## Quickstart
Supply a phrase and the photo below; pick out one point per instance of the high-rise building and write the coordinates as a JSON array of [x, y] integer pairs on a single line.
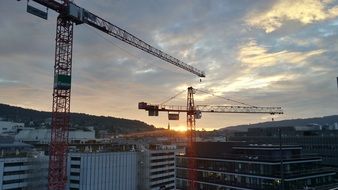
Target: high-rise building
[[229, 165]]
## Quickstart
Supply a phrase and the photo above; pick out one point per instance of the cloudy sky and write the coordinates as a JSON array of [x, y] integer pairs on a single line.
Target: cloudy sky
[[265, 53]]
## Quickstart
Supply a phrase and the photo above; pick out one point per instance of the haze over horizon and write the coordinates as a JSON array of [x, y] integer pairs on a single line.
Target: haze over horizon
[[264, 53]]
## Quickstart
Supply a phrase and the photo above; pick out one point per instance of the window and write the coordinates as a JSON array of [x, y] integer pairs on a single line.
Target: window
[[75, 158], [74, 173], [14, 164], [74, 166], [75, 181]]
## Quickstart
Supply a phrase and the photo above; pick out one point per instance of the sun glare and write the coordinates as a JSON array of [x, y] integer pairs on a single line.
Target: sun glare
[[180, 128]]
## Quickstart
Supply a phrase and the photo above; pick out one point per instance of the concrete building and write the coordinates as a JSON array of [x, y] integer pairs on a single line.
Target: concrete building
[[103, 170], [122, 166], [42, 136], [21, 167], [241, 166], [157, 167], [312, 139], [10, 127]]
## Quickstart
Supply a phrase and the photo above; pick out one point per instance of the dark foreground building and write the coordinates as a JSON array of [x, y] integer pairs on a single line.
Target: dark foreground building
[[314, 140], [230, 166]]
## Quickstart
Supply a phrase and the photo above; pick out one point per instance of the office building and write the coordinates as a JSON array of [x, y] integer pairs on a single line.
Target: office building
[[313, 140], [230, 165]]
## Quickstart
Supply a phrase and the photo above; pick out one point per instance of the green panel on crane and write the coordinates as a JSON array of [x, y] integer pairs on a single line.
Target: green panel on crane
[[62, 82]]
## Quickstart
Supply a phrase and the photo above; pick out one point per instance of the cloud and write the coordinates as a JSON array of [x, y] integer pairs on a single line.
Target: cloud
[[254, 56], [303, 11]]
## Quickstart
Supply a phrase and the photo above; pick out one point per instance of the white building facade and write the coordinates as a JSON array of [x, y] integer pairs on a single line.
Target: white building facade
[[10, 127], [42, 136], [103, 171]]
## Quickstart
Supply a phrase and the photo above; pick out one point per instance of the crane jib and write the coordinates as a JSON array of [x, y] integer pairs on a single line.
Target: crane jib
[[80, 15]]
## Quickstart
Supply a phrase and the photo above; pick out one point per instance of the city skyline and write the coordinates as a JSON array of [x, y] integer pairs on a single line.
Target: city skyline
[[276, 53]]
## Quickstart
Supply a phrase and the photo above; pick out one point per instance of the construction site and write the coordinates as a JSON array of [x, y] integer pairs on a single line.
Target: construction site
[[57, 153]]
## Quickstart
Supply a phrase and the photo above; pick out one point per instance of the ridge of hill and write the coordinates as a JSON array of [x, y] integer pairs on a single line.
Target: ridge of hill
[[325, 120], [36, 119]]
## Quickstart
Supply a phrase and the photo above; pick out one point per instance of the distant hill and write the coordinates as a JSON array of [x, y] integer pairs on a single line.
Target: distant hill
[[79, 120], [327, 120]]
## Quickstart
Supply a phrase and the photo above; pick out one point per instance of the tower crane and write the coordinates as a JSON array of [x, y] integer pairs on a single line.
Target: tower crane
[[70, 13], [195, 112]]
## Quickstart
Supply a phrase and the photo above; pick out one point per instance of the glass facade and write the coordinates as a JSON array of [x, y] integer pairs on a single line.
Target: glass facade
[[236, 171]]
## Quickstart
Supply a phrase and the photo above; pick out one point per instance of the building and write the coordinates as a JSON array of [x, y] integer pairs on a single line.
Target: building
[[103, 170], [157, 167], [313, 139], [42, 136], [108, 166], [21, 167], [10, 127], [234, 165]]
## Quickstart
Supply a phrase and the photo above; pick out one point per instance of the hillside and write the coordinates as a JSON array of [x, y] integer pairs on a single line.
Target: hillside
[[36, 118], [327, 120]]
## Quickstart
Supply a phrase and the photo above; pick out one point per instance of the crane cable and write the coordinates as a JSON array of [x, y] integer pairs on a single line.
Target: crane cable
[[171, 98], [212, 94]]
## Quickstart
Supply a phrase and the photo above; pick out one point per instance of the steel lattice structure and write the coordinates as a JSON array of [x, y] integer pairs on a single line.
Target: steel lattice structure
[[191, 125], [57, 173]]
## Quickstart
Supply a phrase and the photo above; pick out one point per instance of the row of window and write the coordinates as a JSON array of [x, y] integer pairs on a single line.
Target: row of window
[[74, 166], [162, 172], [5, 182], [162, 166], [74, 181], [16, 164], [161, 178], [162, 160], [15, 172], [75, 158], [163, 154], [163, 185], [74, 173]]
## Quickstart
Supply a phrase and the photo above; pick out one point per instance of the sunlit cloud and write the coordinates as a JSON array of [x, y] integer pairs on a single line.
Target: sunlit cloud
[[253, 55], [303, 11]]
